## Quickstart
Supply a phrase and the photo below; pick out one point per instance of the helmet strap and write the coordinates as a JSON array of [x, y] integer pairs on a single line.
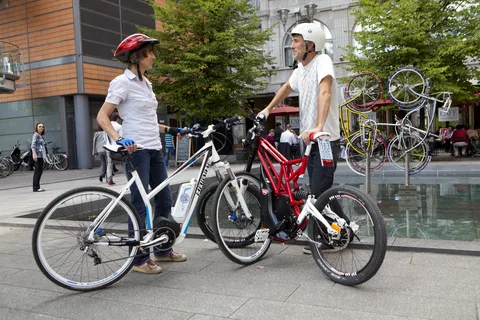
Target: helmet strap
[[137, 54], [306, 51]]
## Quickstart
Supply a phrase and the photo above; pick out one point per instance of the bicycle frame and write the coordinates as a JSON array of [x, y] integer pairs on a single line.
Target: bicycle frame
[[280, 182], [148, 239], [345, 122]]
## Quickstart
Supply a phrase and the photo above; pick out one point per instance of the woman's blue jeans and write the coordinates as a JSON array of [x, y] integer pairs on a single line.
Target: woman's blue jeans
[[150, 166]]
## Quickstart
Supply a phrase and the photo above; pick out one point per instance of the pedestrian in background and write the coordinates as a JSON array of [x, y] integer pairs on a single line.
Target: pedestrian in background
[[169, 148], [38, 153], [99, 140], [270, 137]]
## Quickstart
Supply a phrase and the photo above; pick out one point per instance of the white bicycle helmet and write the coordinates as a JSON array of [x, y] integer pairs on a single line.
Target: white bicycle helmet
[[310, 32]]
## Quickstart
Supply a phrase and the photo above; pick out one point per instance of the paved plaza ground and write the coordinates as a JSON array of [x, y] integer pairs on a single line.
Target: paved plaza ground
[[419, 279]]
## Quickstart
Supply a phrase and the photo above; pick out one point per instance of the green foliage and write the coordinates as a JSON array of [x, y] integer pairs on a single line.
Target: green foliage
[[437, 36], [210, 56]]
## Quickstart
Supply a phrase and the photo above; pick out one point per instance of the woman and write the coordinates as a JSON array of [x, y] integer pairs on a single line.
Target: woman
[[460, 140], [38, 152], [271, 137], [131, 93]]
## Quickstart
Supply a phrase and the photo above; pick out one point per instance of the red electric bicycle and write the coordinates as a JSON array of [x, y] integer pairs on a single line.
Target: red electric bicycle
[[344, 226]]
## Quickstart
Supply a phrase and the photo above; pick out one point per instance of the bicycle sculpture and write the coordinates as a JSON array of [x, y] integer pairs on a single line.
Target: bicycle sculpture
[[408, 88]]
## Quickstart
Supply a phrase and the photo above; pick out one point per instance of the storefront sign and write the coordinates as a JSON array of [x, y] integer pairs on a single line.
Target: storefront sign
[[450, 115], [295, 122]]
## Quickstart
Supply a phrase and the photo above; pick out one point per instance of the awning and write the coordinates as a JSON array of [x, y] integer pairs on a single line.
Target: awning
[[284, 110]]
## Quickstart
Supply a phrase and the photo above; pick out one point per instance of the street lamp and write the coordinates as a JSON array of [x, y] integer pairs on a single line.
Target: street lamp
[[311, 8], [283, 15]]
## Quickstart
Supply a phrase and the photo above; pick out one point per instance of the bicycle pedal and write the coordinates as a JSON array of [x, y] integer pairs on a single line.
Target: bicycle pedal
[[262, 235]]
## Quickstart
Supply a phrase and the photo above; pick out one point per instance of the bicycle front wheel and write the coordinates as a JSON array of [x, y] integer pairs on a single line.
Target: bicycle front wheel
[[235, 231], [205, 209], [402, 82], [358, 253], [61, 244]]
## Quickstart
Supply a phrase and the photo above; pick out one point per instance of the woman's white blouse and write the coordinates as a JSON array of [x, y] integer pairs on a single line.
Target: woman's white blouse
[[137, 106]]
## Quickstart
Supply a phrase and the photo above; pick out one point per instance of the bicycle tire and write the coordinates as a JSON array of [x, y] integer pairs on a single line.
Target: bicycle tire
[[371, 87], [60, 219], [421, 156], [205, 201], [357, 161], [204, 220], [6, 167], [354, 247], [61, 162], [398, 83], [241, 249]]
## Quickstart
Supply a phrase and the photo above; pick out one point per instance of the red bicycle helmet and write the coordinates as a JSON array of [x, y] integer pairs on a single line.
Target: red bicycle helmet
[[132, 43]]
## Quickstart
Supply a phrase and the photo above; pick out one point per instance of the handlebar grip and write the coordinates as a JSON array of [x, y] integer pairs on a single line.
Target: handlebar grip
[[232, 119]]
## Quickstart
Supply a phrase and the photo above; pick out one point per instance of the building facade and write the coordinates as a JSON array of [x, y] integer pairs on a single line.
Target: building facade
[[67, 48]]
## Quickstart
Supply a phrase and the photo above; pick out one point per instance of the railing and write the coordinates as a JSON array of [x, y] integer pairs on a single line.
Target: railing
[[11, 67]]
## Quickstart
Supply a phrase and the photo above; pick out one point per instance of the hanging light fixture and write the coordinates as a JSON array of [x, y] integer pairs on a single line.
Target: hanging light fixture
[[311, 8], [283, 15]]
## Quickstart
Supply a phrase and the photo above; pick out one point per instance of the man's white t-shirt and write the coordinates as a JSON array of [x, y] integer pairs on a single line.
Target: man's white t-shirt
[[305, 80], [137, 106]]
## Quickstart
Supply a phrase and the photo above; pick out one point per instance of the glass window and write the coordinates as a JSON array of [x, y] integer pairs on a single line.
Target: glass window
[[45, 106], [355, 44], [16, 109], [255, 3], [287, 50], [16, 126]]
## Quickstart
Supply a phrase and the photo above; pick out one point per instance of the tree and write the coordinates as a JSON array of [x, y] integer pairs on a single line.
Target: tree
[[440, 37], [210, 57]]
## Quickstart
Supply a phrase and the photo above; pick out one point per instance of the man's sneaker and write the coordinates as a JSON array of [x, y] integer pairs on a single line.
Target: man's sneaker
[[172, 257], [307, 250], [148, 267], [111, 183]]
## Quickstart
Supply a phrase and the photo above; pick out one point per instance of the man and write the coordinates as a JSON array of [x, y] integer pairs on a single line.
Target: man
[[287, 140], [314, 79]]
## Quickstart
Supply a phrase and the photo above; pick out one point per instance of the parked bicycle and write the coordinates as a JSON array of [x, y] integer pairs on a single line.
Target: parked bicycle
[[344, 226], [410, 89], [82, 240], [57, 160], [6, 166]]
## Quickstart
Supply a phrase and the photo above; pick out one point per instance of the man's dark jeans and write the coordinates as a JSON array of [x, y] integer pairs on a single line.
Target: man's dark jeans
[[150, 166], [320, 177]]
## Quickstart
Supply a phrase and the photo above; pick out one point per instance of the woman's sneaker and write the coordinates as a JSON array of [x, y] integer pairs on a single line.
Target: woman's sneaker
[[148, 267], [172, 257]]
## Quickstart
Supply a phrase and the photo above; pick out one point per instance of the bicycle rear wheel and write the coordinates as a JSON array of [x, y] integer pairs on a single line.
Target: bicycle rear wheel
[[369, 85], [63, 251], [61, 161], [419, 156], [356, 154], [359, 252], [235, 233], [403, 79]]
